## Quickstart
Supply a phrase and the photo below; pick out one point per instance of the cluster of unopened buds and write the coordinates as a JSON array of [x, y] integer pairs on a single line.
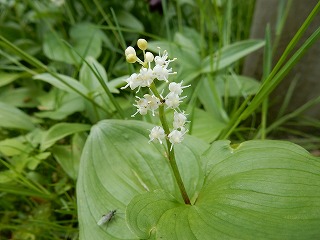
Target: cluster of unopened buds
[[157, 68]]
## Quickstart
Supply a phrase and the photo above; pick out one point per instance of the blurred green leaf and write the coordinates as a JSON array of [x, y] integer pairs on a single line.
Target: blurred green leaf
[[69, 156], [24, 97], [61, 130], [86, 40], [12, 147], [93, 75], [237, 86], [64, 82], [128, 20], [89, 79], [205, 126], [6, 78], [210, 98], [12, 117], [229, 55], [34, 161], [58, 104]]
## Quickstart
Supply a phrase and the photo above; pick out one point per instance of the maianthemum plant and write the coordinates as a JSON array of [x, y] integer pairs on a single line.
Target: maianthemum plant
[[166, 179], [140, 181]]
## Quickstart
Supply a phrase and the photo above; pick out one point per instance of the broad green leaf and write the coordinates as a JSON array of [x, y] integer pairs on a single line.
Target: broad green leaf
[[90, 71], [273, 184], [24, 97], [61, 130], [86, 40], [118, 164], [230, 54], [89, 79], [211, 100], [12, 147], [145, 210], [58, 104], [130, 21], [256, 190], [12, 117], [55, 48], [191, 38], [205, 126], [64, 82]]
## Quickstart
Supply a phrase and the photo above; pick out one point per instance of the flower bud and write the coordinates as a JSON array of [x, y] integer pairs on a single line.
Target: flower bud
[[130, 50], [131, 58], [149, 57], [142, 44]]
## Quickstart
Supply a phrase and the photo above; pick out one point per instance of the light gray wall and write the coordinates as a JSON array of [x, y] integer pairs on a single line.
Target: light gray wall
[[307, 70]]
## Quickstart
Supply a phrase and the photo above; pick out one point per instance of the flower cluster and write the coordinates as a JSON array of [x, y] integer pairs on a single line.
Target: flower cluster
[[157, 68]]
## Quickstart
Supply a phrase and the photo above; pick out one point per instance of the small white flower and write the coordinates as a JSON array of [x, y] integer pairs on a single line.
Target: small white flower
[[149, 57], [157, 133], [133, 81], [153, 102], [146, 76], [142, 106], [130, 50], [162, 60], [173, 100], [162, 73], [179, 120], [176, 136], [177, 88]]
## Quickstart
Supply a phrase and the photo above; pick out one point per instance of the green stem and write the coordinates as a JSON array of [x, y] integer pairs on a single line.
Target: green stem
[[170, 149]]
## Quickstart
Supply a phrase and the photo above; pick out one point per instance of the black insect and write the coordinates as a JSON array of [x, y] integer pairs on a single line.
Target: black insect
[[106, 217]]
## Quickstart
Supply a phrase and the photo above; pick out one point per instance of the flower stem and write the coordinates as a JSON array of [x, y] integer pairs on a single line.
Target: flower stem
[[170, 153]]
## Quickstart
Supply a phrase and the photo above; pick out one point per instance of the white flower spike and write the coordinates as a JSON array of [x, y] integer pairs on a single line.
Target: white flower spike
[[157, 68]]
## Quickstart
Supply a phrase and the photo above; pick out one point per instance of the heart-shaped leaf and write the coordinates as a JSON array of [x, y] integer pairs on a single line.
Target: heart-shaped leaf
[[257, 190], [118, 164]]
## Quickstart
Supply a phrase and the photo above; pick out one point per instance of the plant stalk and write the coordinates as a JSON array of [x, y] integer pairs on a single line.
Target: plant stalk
[[170, 153]]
